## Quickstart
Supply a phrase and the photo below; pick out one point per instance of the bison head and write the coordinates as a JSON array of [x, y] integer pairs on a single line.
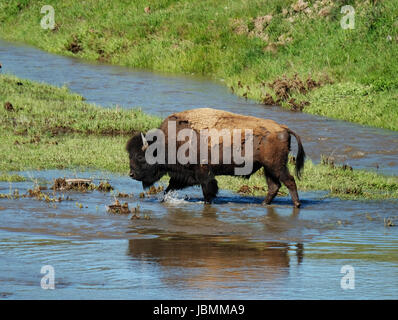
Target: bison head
[[140, 170]]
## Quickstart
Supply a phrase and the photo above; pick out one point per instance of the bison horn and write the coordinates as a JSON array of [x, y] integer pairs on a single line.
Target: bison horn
[[144, 142]]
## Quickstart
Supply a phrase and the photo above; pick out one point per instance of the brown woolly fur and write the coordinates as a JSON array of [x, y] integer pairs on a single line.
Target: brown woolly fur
[[271, 146]]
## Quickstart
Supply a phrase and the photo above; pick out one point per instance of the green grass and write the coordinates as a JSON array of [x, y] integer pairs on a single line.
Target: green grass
[[7, 177], [94, 138], [51, 127], [222, 39]]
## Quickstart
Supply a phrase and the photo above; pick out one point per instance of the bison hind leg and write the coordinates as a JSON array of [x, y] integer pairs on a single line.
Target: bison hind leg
[[210, 190], [290, 183], [273, 188]]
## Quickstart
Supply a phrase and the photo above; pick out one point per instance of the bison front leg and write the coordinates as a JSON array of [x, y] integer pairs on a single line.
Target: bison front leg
[[174, 184], [210, 190]]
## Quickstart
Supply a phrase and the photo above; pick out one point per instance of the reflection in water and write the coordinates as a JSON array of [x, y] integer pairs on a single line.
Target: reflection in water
[[215, 261], [275, 223], [233, 249]]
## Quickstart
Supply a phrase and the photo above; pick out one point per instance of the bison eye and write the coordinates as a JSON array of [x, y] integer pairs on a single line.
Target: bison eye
[[141, 158]]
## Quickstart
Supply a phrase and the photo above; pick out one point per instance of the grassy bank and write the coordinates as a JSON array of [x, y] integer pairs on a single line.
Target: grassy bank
[[346, 74], [45, 127]]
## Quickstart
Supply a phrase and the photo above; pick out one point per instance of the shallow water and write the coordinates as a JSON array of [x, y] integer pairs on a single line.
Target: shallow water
[[358, 146], [182, 248]]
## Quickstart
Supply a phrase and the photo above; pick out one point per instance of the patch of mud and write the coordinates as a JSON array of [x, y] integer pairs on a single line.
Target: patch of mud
[[309, 10], [284, 87], [8, 106], [81, 185], [74, 45], [117, 208], [257, 27]]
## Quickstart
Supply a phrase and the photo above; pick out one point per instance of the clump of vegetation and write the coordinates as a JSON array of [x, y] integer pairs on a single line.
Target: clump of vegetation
[[38, 194], [81, 185], [152, 190], [104, 186], [155, 190], [117, 208], [7, 177]]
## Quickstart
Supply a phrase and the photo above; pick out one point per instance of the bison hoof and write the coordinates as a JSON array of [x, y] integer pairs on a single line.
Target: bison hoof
[[297, 204]]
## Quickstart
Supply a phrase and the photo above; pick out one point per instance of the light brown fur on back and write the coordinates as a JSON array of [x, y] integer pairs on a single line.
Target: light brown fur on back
[[207, 118]]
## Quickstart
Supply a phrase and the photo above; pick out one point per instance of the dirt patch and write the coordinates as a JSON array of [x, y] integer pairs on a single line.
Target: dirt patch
[[260, 25], [284, 87], [74, 45], [254, 28], [240, 27], [300, 6], [8, 106], [81, 185], [313, 10]]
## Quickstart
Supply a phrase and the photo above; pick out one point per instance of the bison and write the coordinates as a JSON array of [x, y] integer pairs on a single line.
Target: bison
[[267, 146]]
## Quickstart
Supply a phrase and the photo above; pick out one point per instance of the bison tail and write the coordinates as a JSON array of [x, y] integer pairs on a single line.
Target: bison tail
[[300, 157]]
